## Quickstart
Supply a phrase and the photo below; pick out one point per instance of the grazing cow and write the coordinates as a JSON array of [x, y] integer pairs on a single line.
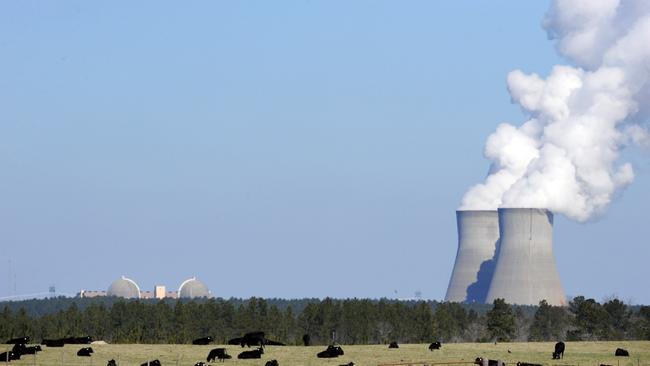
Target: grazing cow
[[306, 340], [483, 362], [348, 364], [393, 345], [256, 353], [602, 364], [202, 341], [249, 339], [559, 351], [85, 352], [201, 363], [435, 345], [19, 340], [272, 363], [527, 364], [111, 362], [254, 339], [622, 352], [330, 352], [218, 354], [151, 363], [53, 342]]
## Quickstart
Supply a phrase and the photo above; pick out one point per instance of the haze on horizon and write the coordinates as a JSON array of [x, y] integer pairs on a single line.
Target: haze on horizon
[[300, 149]]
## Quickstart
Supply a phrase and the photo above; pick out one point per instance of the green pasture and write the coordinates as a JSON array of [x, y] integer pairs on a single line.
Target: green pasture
[[576, 354]]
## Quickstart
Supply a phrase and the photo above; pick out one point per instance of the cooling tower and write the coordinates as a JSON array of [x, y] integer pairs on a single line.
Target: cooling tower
[[525, 271], [478, 232]]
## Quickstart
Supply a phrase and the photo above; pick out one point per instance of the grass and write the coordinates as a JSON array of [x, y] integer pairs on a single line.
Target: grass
[[577, 353]]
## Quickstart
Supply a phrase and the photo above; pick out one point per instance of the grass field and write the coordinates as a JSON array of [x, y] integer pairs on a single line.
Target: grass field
[[577, 353]]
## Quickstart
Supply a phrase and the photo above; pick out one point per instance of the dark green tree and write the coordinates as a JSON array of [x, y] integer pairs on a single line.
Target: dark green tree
[[644, 322], [422, 323], [549, 323], [450, 321], [501, 321], [618, 319], [590, 320], [6, 323]]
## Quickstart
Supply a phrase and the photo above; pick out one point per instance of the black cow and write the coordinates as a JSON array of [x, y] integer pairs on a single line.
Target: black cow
[[254, 339], [53, 342], [249, 339], [393, 345], [330, 352], [19, 349], [111, 362], [435, 345], [272, 363], [201, 363], [306, 340], [559, 351], [151, 363], [202, 341], [527, 364], [85, 352], [483, 362], [8, 356], [256, 353], [218, 354], [348, 364], [78, 340], [19, 340], [32, 350], [622, 352], [602, 364]]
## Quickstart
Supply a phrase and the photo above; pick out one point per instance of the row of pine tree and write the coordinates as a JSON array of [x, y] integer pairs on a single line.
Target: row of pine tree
[[349, 321]]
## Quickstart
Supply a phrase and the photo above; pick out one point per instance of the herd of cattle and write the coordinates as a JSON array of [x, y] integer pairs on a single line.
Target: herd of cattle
[[558, 353], [253, 339]]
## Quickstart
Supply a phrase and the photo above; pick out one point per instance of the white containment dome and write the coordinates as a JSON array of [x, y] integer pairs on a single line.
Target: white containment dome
[[478, 234], [124, 287], [525, 271], [193, 288]]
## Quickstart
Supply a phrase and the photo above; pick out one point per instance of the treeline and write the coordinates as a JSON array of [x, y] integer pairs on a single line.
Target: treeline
[[350, 321]]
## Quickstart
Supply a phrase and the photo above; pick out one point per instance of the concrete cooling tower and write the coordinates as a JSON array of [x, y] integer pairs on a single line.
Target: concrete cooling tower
[[525, 271], [478, 233]]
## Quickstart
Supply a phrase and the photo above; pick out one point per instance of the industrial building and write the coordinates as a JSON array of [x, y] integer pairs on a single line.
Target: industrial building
[[505, 254], [127, 288]]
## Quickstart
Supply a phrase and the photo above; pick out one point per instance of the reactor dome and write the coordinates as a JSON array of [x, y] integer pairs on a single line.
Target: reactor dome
[[193, 288], [124, 287]]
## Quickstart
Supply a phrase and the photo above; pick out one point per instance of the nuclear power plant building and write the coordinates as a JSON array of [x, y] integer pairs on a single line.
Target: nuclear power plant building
[[126, 288], [525, 271], [193, 288], [478, 234], [505, 254]]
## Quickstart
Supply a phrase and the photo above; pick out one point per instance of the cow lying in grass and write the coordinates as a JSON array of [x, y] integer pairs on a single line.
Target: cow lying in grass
[[331, 352], [256, 353]]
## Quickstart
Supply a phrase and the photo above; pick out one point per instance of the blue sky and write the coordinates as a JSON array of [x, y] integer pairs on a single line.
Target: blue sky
[[292, 149]]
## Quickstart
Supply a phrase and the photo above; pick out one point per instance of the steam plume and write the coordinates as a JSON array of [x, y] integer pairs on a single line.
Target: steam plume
[[566, 157]]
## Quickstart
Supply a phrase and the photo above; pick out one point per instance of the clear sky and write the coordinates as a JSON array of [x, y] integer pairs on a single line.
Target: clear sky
[[275, 149]]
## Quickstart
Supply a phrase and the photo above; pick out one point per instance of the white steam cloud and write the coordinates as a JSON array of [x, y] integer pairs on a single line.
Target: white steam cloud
[[566, 156]]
